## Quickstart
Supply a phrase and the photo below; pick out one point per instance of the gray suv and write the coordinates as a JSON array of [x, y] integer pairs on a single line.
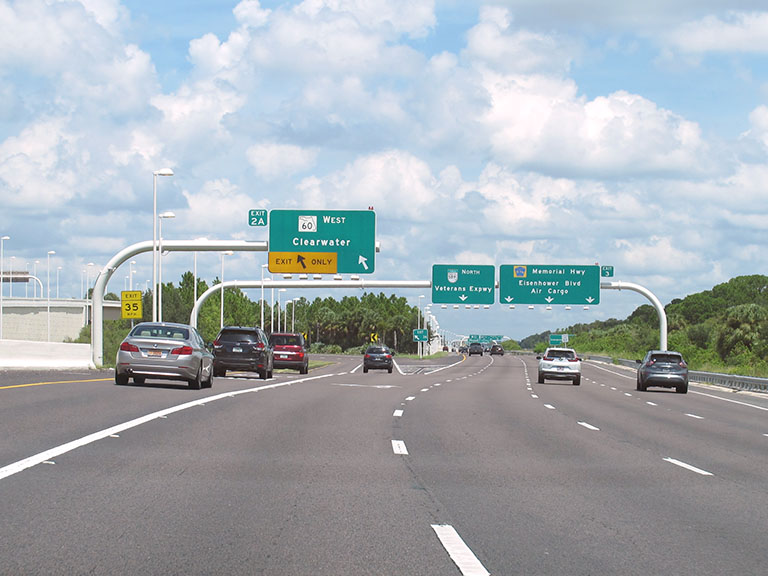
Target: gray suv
[[243, 348]]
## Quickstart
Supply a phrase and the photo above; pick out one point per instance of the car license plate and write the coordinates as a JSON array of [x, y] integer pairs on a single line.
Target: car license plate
[[236, 349], [154, 353], [282, 356]]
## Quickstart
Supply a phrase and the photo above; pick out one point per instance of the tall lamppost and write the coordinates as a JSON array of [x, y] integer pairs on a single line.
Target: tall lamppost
[[2, 281], [278, 307], [131, 272], [261, 305], [225, 253], [418, 322], [162, 217], [10, 286], [58, 269], [293, 313], [87, 293], [194, 274], [155, 174], [48, 289]]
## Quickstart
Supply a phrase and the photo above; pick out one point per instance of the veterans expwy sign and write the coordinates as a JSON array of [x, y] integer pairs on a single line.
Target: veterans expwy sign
[[545, 284], [463, 284], [297, 234]]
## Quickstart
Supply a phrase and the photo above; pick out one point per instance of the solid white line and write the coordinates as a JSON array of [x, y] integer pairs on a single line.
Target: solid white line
[[651, 404], [695, 416], [398, 447], [459, 552], [17, 467], [397, 413], [729, 400], [688, 467], [589, 426]]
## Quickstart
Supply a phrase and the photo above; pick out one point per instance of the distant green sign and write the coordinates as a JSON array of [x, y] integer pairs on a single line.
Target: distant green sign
[[546, 284], [257, 218], [606, 271], [558, 339], [463, 284], [421, 335], [485, 337]]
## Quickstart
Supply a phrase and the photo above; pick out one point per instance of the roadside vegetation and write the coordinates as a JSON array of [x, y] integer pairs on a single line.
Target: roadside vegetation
[[724, 329]]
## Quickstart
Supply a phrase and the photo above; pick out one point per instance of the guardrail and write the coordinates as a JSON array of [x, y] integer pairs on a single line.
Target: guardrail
[[736, 382]]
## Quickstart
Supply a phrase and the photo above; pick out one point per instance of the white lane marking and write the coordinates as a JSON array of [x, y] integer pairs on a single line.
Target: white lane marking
[[764, 408], [627, 394], [17, 467], [379, 386], [438, 384], [612, 372], [459, 552], [549, 406], [688, 467], [534, 396], [589, 426], [766, 435], [695, 416], [425, 389], [398, 447], [410, 398], [614, 388], [398, 413], [443, 368], [651, 404]]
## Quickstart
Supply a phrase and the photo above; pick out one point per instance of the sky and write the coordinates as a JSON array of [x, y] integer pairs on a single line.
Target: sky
[[548, 132]]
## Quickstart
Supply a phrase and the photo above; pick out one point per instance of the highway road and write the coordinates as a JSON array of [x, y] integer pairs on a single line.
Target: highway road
[[457, 466]]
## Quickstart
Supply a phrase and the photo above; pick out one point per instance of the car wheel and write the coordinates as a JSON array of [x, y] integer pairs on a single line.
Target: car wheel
[[263, 374], [577, 380], [682, 388], [641, 386], [197, 382], [389, 370], [304, 369], [121, 379], [541, 378], [365, 370]]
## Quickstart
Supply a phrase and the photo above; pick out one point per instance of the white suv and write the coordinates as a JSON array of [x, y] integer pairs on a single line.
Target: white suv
[[560, 364]]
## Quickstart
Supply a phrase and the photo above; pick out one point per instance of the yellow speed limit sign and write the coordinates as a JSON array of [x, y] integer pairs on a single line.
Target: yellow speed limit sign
[[131, 304]]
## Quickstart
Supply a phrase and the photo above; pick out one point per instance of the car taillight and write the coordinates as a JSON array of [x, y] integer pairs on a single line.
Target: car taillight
[[182, 351], [573, 359], [300, 354], [258, 346], [548, 359], [367, 355], [683, 364], [389, 356], [651, 362], [216, 343], [128, 347]]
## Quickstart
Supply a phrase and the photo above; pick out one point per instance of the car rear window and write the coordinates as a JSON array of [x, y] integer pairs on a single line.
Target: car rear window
[[285, 340], [373, 350], [560, 354], [237, 336], [667, 358], [161, 332]]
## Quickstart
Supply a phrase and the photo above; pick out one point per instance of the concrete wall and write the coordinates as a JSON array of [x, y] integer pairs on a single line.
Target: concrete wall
[[27, 319]]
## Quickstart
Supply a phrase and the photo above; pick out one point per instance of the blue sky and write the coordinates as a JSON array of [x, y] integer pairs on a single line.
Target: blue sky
[[632, 134]]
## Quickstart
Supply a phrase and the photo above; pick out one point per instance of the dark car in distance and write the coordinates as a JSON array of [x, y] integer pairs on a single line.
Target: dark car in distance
[[476, 348], [243, 348], [378, 358], [663, 368], [289, 351], [497, 349]]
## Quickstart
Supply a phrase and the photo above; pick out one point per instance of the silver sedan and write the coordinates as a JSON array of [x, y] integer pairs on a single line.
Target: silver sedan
[[166, 351]]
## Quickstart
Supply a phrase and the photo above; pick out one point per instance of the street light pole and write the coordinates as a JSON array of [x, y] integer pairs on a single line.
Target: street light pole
[[58, 269], [10, 286], [48, 288], [155, 174], [261, 305], [2, 281], [278, 308], [162, 217], [225, 253]]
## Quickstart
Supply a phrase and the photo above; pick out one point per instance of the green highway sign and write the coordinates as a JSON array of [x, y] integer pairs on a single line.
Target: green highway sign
[[545, 284], [257, 217], [463, 284], [558, 339], [351, 234], [484, 337], [420, 335], [606, 271]]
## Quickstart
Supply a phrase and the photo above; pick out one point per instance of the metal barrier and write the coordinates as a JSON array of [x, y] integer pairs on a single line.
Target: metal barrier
[[736, 382]]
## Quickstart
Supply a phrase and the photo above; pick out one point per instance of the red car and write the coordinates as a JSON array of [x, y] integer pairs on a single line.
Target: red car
[[290, 351]]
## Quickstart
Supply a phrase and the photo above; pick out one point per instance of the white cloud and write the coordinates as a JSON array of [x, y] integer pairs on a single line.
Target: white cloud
[[272, 160], [734, 32]]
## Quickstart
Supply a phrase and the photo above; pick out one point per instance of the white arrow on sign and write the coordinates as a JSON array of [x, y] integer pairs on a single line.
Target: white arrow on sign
[[462, 297], [590, 299], [549, 299], [509, 298], [364, 261]]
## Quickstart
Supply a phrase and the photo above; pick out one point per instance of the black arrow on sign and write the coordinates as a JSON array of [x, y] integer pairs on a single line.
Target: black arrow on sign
[[300, 260]]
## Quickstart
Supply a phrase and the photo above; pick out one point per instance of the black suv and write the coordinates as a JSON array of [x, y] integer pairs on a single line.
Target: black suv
[[243, 348], [476, 348]]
